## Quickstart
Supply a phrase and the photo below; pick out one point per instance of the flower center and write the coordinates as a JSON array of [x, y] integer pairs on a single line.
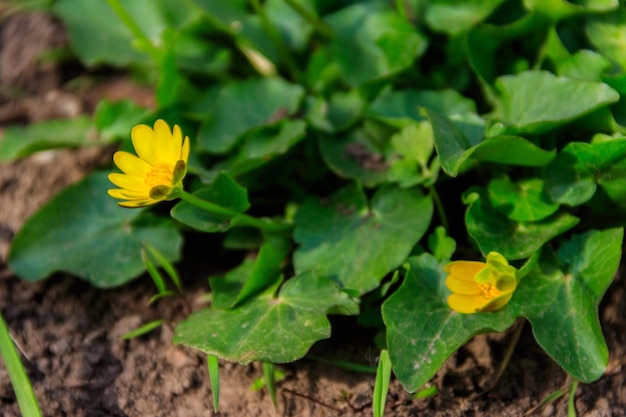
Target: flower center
[[160, 174], [489, 291]]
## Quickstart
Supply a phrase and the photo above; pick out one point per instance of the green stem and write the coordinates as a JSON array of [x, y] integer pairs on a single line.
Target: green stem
[[439, 207], [277, 40], [130, 23], [401, 7], [21, 384], [321, 27], [571, 404], [241, 219]]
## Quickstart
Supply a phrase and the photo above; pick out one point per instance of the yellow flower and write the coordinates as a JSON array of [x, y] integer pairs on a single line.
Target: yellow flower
[[156, 174], [480, 286]]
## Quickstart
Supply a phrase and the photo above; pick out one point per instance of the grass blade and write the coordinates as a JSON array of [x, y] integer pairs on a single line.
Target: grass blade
[[146, 328], [381, 386], [214, 378], [153, 272], [21, 384], [269, 374], [166, 265]]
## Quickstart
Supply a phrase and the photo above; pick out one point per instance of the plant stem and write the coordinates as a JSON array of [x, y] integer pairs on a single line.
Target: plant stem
[[571, 404], [241, 219], [134, 28], [401, 7], [277, 40], [439, 207], [321, 27], [17, 375]]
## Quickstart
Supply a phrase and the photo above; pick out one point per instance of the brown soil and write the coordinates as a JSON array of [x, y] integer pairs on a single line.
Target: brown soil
[[69, 333]]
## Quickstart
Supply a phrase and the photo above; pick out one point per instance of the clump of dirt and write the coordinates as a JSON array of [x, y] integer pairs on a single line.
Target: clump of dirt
[[70, 333]]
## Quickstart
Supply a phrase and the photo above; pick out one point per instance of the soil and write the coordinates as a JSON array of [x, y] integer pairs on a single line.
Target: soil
[[69, 333]]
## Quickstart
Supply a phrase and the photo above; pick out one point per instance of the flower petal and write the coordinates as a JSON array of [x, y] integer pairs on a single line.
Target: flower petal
[[461, 286], [129, 182], [177, 141], [130, 164], [126, 195], [184, 153], [465, 270], [166, 149], [144, 143], [136, 203], [467, 304]]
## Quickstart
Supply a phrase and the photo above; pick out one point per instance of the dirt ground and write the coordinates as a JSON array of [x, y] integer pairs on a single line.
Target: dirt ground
[[69, 333]]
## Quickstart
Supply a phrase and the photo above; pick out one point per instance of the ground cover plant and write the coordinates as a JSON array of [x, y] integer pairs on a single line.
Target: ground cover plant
[[353, 147]]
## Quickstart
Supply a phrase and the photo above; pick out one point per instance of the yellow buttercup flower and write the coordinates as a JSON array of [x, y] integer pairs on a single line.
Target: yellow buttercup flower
[[157, 172], [479, 286]]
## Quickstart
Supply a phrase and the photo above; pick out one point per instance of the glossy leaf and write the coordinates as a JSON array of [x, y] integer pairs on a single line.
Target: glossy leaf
[[537, 101], [608, 34], [573, 177], [99, 36], [452, 17], [403, 106], [457, 141], [422, 331], [355, 242], [560, 298], [244, 105], [355, 156], [495, 232], [269, 328], [104, 240], [261, 146], [522, 201], [267, 267], [371, 41]]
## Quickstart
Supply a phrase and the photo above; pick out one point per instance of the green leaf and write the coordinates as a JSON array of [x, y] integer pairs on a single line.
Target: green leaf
[[225, 288], [440, 245], [455, 146], [422, 331], [452, 144], [560, 298], [98, 35], [538, 101], [355, 156], [18, 142], [372, 41], [244, 105], [573, 176], [357, 243], [267, 267], [269, 328], [224, 192], [452, 17], [607, 32], [403, 106], [495, 232], [115, 120], [262, 145], [103, 239], [522, 201]]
